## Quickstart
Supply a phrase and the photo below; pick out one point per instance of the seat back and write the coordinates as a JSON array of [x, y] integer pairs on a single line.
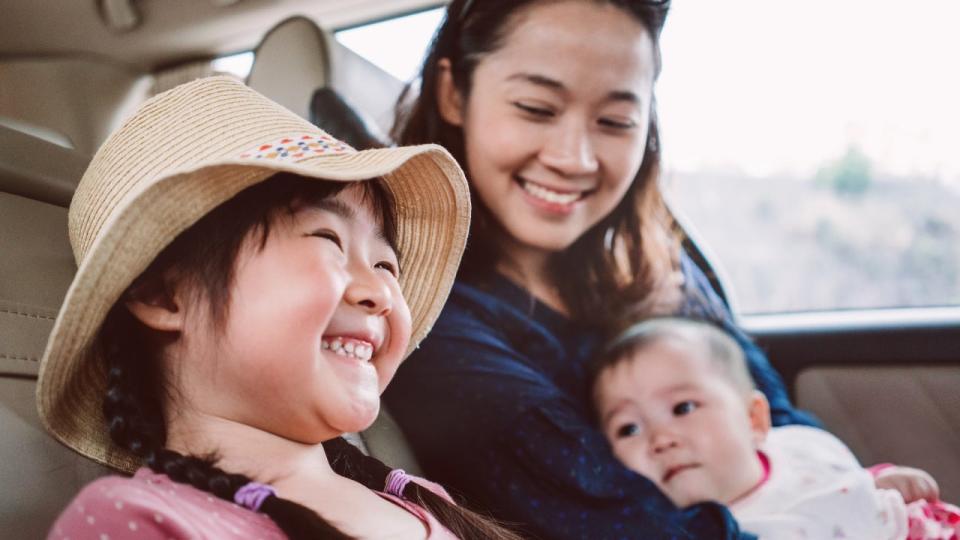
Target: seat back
[[290, 63], [38, 475]]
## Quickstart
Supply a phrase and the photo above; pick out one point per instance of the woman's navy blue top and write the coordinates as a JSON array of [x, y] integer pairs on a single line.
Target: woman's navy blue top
[[496, 405]]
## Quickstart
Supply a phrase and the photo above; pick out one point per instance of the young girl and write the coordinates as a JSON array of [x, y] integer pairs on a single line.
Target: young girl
[[239, 305], [549, 107], [677, 405]]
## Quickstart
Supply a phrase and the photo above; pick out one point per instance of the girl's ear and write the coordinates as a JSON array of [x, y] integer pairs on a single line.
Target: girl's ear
[[759, 417], [158, 304], [449, 99]]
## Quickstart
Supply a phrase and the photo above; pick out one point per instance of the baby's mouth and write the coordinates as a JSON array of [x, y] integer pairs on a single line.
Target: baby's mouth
[[349, 347], [672, 472]]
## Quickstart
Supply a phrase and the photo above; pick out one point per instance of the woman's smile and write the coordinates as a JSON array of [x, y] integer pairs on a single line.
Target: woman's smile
[[552, 200]]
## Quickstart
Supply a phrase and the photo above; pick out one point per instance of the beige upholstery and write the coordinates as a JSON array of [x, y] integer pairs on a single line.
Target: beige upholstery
[[38, 169], [290, 63], [908, 415], [38, 475], [78, 100]]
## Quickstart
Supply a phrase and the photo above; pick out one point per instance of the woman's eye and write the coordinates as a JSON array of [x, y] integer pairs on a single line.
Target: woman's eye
[[617, 123], [329, 235], [627, 430], [684, 408], [389, 267], [540, 112]]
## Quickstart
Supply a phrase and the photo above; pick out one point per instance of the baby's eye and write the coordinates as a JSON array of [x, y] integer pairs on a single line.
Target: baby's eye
[[627, 430], [329, 235], [684, 408]]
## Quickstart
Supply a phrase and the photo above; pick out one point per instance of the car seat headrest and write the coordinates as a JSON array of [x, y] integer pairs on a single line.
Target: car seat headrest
[[290, 63]]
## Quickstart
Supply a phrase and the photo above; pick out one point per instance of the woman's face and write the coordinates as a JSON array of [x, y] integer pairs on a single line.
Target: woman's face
[[316, 327], [556, 121]]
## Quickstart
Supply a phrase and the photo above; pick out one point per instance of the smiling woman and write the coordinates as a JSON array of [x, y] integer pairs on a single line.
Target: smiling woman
[[550, 108]]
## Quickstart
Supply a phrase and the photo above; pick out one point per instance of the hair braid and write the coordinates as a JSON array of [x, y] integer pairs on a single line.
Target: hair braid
[[348, 461]]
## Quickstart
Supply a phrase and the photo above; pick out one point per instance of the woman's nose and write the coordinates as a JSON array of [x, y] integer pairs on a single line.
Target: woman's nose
[[369, 292], [569, 150]]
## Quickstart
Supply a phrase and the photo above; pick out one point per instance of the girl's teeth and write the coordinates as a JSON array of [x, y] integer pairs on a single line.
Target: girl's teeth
[[550, 195], [355, 350]]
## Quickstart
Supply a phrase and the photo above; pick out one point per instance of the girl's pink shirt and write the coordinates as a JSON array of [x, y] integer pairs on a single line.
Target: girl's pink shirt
[[151, 506]]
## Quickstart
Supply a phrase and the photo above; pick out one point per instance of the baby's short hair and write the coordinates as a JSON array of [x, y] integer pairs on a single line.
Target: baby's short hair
[[720, 347]]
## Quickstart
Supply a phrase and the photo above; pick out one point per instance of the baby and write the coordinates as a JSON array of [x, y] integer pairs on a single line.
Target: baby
[[676, 402]]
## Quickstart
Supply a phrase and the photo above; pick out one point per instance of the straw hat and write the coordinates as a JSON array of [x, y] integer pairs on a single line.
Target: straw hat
[[182, 154]]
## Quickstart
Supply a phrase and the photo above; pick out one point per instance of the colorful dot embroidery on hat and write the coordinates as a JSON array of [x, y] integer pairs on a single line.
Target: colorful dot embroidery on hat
[[296, 147]]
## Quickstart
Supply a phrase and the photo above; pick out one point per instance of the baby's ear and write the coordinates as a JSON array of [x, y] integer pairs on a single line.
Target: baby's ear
[[759, 417], [449, 100], [157, 303]]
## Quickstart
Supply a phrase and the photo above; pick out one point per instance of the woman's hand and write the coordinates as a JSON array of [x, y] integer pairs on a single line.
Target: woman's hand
[[913, 484]]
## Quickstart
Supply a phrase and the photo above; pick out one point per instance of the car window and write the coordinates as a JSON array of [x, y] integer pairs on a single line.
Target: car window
[[814, 155], [408, 36]]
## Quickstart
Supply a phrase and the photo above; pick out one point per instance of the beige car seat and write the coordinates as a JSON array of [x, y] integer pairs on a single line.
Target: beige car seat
[[38, 475]]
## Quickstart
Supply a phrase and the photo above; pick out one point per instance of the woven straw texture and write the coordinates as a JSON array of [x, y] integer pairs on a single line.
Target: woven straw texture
[[182, 154]]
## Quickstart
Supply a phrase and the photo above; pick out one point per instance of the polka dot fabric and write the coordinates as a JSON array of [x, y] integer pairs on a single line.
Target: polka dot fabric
[[150, 506]]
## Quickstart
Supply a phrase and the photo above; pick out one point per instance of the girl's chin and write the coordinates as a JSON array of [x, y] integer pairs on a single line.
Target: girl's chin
[[359, 418]]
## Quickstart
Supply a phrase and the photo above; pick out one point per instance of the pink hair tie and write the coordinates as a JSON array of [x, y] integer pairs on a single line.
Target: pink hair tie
[[252, 495], [397, 480]]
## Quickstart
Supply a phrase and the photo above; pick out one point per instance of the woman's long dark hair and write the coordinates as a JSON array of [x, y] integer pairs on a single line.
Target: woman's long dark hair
[[137, 389], [623, 265]]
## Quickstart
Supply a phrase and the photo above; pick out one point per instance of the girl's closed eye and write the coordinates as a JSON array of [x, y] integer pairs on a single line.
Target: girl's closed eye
[[685, 407], [389, 266], [330, 235]]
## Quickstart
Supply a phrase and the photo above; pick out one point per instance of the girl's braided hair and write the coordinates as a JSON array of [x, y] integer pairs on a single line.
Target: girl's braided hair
[[137, 389]]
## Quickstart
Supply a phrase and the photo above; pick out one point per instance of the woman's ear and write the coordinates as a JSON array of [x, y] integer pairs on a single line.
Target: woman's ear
[[158, 304], [449, 99], [759, 417]]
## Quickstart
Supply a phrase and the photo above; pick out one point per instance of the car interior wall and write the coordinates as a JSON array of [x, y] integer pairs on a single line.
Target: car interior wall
[[73, 102], [907, 414]]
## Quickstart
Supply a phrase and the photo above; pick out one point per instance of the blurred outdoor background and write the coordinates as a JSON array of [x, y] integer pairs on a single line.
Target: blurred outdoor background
[[813, 148]]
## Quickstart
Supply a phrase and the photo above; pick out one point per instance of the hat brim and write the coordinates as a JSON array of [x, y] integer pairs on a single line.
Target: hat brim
[[432, 210]]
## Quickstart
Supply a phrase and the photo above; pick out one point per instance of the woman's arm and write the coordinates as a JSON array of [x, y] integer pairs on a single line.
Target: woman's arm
[[494, 430]]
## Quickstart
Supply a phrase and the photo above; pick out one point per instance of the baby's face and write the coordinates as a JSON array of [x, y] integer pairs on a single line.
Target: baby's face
[[672, 416]]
